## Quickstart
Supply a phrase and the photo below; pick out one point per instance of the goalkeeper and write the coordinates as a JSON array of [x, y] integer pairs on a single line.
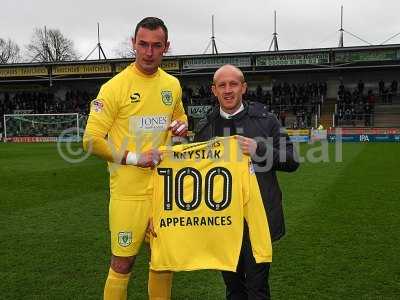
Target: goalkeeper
[[134, 113]]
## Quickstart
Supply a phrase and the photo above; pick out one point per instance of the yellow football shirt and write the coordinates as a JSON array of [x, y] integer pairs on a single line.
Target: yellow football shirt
[[202, 194], [133, 111]]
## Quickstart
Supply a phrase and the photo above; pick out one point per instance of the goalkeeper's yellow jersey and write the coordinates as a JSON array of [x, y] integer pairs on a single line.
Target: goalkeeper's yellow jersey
[[202, 194], [134, 111]]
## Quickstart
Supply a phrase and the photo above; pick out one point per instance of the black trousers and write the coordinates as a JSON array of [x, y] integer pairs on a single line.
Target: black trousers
[[250, 281]]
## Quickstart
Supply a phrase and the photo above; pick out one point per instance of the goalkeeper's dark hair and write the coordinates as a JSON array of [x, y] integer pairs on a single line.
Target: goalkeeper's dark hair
[[152, 23]]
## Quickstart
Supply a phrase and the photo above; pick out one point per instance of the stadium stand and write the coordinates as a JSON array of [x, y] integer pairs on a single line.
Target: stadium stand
[[357, 108], [74, 101], [38, 102], [294, 104], [347, 86]]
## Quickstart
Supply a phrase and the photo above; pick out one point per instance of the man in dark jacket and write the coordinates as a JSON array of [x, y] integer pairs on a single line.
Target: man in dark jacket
[[261, 137]]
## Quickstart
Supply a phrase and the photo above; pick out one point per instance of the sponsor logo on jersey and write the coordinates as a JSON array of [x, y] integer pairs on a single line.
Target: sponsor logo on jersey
[[124, 238], [210, 144], [97, 105], [149, 123], [251, 168], [135, 97], [166, 97]]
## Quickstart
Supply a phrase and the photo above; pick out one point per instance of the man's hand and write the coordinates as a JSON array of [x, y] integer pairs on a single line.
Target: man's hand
[[247, 145], [149, 159], [179, 128]]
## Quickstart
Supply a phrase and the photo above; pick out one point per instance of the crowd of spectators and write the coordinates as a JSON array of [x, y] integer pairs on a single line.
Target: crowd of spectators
[[294, 102], [297, 102], [356, 107], [387, 91], [73, 101], [353, 106], [34, 102], [198, 96], [45, 102], [77, 101], [300, 100]]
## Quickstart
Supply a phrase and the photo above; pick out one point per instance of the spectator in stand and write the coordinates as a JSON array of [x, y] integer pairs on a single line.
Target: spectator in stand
[[368, 115], [381, 87], [385, 96], [359, 110], [259, 92], [371, 99], [360, 87], [283, 116], [393, 90], [341, 90], [308, 119], [268, 99]]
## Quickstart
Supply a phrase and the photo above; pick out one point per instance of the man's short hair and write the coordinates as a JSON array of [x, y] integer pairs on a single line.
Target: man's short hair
[[152, 23], [240, 73]]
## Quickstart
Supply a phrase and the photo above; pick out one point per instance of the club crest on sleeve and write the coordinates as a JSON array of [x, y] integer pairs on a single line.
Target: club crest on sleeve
[[166, 97], [124, 238], [97, 105]]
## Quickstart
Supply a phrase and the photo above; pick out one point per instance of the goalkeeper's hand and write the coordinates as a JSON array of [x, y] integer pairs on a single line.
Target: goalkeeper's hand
[[179, 128], [147, 159]]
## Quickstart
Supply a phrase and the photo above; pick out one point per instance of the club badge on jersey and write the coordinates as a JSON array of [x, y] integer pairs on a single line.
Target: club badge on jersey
[[124, 238], [166, 97]]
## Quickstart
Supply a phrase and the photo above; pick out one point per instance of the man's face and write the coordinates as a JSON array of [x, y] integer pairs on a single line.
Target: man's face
[[229, 89], [150, 46]]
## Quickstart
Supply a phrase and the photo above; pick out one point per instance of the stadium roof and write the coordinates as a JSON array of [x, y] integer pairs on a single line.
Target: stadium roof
[[301, 60]]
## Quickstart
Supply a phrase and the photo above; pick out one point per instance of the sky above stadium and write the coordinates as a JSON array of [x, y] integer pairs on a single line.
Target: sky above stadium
[[239, 25]]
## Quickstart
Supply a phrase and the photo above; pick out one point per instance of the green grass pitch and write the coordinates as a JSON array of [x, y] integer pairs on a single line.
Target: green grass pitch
[[342, 220]]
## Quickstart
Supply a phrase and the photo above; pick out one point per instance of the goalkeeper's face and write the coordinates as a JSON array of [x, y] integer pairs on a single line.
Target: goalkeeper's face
[[150, 46]]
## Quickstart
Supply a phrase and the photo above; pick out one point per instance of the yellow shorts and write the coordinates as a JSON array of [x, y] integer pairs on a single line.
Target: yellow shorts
[[128, 222]]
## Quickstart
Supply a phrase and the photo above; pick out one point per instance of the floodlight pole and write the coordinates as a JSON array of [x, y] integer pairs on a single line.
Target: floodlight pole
[[341, 28], [214, 49], [98, 46], [274, 41]]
